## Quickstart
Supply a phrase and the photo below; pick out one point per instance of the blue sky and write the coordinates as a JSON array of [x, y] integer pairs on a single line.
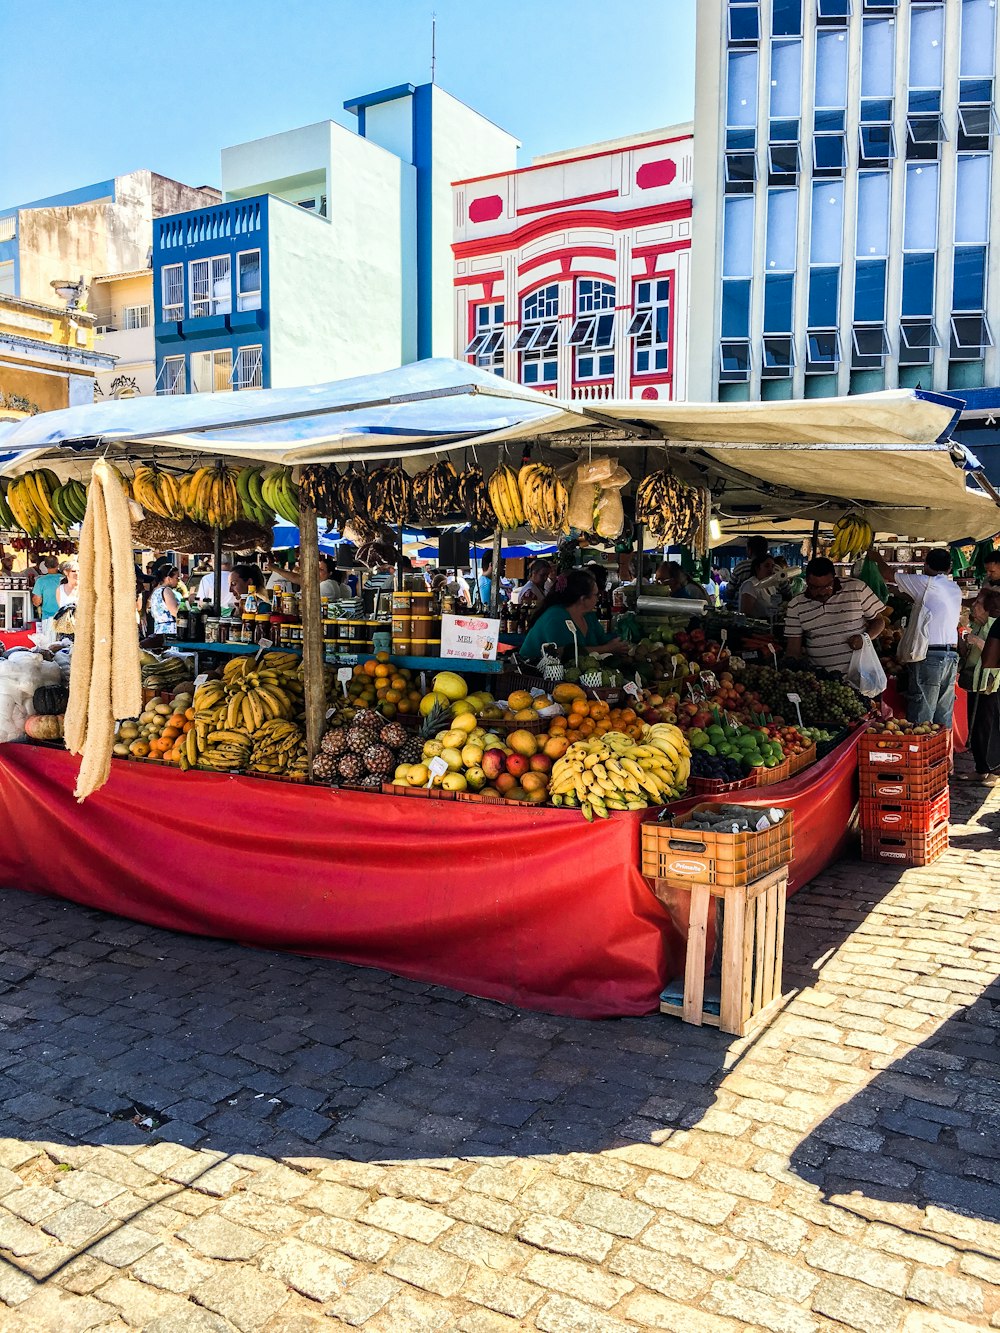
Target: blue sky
[[116, 85]]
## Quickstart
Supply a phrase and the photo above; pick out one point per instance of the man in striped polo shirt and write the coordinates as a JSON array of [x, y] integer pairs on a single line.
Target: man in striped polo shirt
[[826, 622]]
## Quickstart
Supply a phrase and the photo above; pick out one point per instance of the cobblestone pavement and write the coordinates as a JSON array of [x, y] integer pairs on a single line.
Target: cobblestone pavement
[[325, 1146]]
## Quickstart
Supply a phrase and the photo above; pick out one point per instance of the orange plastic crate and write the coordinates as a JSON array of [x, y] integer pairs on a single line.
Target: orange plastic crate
[[904, 848], [686, 856], [878, 751], [905, 816], [768, 777], [428, 793], [797, 762], [904, 784]]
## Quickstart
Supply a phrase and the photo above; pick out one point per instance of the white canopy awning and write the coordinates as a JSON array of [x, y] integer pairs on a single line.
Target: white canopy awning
[[885, 453]]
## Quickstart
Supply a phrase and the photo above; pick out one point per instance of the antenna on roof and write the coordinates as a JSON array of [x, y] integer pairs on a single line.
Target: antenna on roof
[[433, 45]]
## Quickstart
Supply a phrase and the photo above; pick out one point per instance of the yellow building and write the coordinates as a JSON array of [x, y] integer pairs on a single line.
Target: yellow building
[[47, 358], [122, 307]]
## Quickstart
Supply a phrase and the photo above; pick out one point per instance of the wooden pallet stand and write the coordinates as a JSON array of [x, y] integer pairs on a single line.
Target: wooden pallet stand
[[753, 934]]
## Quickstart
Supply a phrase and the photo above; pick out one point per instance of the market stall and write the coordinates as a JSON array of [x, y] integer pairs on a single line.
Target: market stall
[[499, 894]]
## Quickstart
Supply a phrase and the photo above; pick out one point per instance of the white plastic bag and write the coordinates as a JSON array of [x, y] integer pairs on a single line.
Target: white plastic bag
[[866, 672]]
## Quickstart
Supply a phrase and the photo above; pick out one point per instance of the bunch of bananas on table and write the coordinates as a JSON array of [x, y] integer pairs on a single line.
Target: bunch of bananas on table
[[158, 492], [40, 505], [235, 717], [852, 536], [279, 748], [505, 497], [670, 511], [615, 772], [435, 494], [544, 499]]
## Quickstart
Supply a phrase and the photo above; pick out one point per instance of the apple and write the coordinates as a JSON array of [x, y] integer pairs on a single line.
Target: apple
[[540, 763], [505, 782], [493, 762], [517, 764]]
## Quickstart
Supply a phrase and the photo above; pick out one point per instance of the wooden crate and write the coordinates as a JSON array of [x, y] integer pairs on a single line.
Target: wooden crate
[[753, 935]]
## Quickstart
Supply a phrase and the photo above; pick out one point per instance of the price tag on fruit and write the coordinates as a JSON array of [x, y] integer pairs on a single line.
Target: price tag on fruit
[[774, 653], [437, 768], [344, 675], [632, 689], [200, 680], [796, 699]]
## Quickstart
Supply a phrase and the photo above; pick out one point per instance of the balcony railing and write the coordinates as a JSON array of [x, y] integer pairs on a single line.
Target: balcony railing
[[8, 228], [593, 392], [241, 217]]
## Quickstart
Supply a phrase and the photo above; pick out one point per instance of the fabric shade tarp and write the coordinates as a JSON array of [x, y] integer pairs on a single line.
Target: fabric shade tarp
[[531, 907]]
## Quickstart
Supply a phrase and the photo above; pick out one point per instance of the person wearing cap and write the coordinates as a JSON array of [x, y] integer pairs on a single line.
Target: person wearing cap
[[931, 693]]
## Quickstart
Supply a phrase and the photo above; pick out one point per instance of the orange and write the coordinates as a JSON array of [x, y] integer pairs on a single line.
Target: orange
[[189, 714], [399, 683], [369, 667], [392, 696], [383, 672], [381, 657], [587, 727]]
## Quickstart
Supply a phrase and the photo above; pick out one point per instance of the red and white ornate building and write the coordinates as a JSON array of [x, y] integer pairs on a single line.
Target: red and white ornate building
[[572, 275]]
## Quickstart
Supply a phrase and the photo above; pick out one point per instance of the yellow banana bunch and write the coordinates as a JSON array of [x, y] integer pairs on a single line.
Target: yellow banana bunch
[[614, 772], [157, 492], [852, 536], [505, 497], [246, 720], [544, 499]]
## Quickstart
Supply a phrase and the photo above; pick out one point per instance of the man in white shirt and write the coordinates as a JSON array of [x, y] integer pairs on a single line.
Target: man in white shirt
[[931, 693], [206, 588]]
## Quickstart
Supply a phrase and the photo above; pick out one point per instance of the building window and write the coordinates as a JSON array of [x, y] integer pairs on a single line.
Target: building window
[[736, 308], [210, 287], [824, 297], [831, 70], [593, 333], [877, 140], [970, 337], [172, 293], [924, 126], [650, 327], [741, 89], [248, 286], [972, 199], [786, 18], [248, 372], [786, 79], [872, 235], [779, 291], [926, 45], [744, 21], [878, 58], [976, 116], [741, 162], [135, 316], [778, 359], [920, 207], [7, 278], [486, 347], [978, 37], [869, 291], [917, 340], [826, 234], [833, 13], [734, 361], [783, 152], [538, 341], [171, 377], [212, 372], [822, 351], [871, 346], [737, 238], [779, 248]]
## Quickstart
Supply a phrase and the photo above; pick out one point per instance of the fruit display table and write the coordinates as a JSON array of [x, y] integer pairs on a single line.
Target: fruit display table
[[533, 907]]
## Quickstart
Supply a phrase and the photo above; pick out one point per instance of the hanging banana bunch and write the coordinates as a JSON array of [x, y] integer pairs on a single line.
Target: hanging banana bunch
[[671, 512], [852, 536], [318, 484], [389, 495], [475, 502], [250, 488], [544, 499], [435, 494], [157, 492], [505, 497]]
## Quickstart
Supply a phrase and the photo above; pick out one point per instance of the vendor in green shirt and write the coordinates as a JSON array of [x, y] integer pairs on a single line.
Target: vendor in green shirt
[[573, 598]]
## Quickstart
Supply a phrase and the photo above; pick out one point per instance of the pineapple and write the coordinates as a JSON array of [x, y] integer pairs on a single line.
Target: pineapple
[[350, 768], [394, 735], [379, 761], [412, 750], [335, 741], [324, 768], [438, 719]]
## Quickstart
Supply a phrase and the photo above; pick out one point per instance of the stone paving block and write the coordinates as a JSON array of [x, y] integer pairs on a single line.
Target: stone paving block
[[189, 1320], [218, 1181], [559, 1314], [34, 1202], [335, 1200], [655, 1312], [503, 1294], [485, 1321], [279, 1184], [139, 1304], [173, 1268], [858, 1306], [123, 1246], [56, 1311], [89, 1188], [608, 1211], [360, 1242], [700, 1205], [831, 1255], [217, 1238], [483, 1211], [945, 1291], [314, 1272], [919, 1249], [774, 1276], [363, 1299], [777, 1316], [416, 1313], [420, 1183], [250, 1210], [244, 1296], [412, 1220], [699, 1244], [428, 1269], [502, 1254], [667, 1274], [76, 1224], [552, 1233], [773, 1228], [15, 1286]]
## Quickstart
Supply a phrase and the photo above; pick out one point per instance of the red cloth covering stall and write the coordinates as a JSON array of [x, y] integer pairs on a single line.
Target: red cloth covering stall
[[17, 639], [531, 907]]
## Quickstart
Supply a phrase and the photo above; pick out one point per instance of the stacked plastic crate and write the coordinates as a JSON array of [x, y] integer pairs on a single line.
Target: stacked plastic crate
[[904, 797]]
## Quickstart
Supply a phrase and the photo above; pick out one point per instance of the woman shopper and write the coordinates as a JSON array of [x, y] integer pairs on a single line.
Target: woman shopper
[[568, 613], [164, 602], [67, 592], [760, 595], [982, 652]]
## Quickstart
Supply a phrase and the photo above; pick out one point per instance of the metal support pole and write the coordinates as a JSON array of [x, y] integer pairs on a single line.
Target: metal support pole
[[815, 538], [495, 575], [312, 627]]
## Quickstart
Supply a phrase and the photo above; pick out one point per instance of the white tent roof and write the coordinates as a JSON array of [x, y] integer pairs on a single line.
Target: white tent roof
[[885, 453]]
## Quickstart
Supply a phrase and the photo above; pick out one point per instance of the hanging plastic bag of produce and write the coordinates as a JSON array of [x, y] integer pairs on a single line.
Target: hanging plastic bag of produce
[[869, 573], [599, 470], [866, 672]]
